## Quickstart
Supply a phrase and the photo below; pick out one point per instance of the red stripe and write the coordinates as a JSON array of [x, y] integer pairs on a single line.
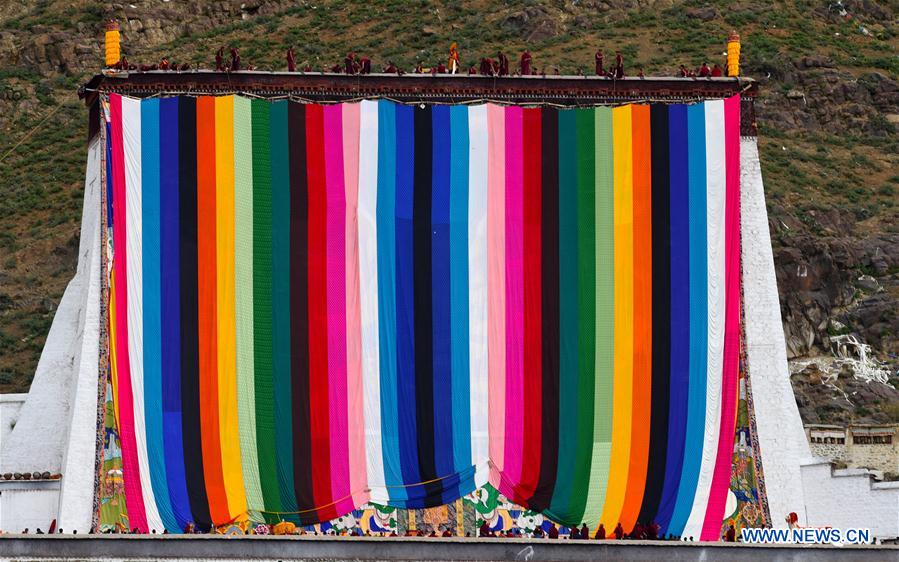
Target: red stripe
[[318, 314], [533, 315]]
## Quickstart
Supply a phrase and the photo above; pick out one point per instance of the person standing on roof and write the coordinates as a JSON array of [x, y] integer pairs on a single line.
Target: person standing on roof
[[716, 71], [503, 64], [619, 65], [291, 61], [235, 60], [704, 71], [526, 60], [220, 59], [454, 61], [599, 63]]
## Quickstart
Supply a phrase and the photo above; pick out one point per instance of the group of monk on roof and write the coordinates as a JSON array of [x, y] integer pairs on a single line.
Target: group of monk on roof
[[354, 64]]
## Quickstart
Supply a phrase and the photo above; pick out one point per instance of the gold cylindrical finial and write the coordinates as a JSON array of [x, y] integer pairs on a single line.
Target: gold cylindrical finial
[[113, 43], [733, 54]]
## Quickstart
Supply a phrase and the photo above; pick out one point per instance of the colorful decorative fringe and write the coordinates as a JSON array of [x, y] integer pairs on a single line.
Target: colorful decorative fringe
[[319, 306]]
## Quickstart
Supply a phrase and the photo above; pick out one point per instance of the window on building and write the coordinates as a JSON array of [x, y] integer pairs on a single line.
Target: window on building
[[862, 439]]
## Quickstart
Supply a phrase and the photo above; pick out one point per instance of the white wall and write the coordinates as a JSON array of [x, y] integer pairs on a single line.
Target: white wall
[[57, 424], [10, 404], [28, 506], [781, 436], [848, 499]]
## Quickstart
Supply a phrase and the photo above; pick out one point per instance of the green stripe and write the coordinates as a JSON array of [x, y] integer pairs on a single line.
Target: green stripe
[[605, 309], [243, 290], [560, 505], [586, 307], [262, 306], [281, 302]]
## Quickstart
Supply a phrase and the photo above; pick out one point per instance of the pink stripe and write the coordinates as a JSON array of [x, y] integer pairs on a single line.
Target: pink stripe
[[496, 290], [335, 260], [711, 529], [358, 476], [514, 303], [134, 499]]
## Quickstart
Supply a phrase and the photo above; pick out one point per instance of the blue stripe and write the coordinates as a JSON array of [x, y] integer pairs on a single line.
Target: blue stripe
[[680, 311], [458, 216], [440, 300], [695, 430], [170, 306], [152, 318], [386, 205], [405, 293]]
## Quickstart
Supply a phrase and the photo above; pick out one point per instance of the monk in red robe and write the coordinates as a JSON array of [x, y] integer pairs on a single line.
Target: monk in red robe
[[291, 61], [716, 71], [526, 60], [704, 71], [599, 63]]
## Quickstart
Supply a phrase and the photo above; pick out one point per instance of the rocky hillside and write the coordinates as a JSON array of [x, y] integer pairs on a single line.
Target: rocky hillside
[[828, 117]]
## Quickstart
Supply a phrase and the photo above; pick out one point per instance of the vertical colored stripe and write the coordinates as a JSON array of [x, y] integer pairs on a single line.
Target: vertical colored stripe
[[131, 137], [421, 313], [680, 310], [496, 291], [460, 385], [170, 298], [232, 473], [532, 303], [604, 211], [207, 311], [698, 345], [642, 327], [152, 314], [560, 506], [281, 335], [406, 388], [478, 307], [318, 314], [262, 306], [661, 296], [335, 228], [549, 314], [299, 314], [622, 409], [355, 399], [189, 270], [387, 298], [243, 294], [514, 313], [369, 143], [133, 485], [586, 326], [715, 225], [441, 326], [711, 529]]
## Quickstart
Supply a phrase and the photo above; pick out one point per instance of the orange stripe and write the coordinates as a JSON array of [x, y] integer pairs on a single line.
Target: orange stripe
[[636, 480], [206, 293]]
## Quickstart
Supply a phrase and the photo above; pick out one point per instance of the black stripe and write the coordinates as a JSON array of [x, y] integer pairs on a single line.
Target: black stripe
[[424, 345], [661, 314], [190, 361], [299, 312], [549, 450]]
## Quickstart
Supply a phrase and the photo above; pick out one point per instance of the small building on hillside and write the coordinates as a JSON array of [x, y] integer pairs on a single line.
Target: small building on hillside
[[875, 447]]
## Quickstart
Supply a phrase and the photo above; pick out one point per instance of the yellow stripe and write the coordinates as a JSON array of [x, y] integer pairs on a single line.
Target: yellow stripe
[[622, 404], [224, 260]]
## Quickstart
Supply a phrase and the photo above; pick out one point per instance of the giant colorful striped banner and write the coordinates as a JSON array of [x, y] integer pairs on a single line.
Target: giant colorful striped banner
[[316, 306]]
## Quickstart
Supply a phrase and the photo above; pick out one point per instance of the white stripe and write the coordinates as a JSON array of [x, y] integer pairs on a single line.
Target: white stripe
[[368, 291], [715, 198], [477, 289], [131, 132]]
